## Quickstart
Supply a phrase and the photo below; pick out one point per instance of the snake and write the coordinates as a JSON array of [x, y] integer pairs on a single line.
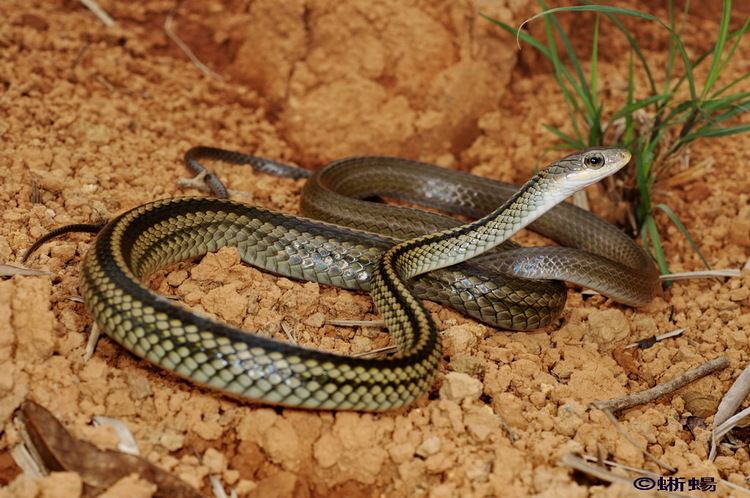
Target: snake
[[146, 238]]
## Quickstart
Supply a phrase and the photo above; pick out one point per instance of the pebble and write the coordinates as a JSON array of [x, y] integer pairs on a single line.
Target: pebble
[[460, 339], [608, 327], [429, 446], [459, 386]]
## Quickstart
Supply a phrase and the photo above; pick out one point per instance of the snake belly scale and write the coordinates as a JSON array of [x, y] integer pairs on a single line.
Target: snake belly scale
[[151, 236]]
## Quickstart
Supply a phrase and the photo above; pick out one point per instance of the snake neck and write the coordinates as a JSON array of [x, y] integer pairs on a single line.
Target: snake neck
[[400, 310], [449, 247]]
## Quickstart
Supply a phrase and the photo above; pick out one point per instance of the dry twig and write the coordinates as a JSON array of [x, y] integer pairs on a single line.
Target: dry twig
[[659, 390], [10, 270]]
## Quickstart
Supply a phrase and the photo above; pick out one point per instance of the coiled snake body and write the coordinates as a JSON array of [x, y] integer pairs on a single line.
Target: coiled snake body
[[153, 235]]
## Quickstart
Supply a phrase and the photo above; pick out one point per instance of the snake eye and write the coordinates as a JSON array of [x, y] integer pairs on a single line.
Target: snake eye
[[594, 161]]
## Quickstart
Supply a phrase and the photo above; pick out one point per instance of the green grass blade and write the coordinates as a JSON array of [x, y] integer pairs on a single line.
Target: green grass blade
[[731, 110], [576, 128], [581, 86], [608, 9], [698, 60], [729, 85], [716, 65], [522, 35], [636, 48], [717, 132], [633, 106], [681, 108], [629, 134], [689, 77], [604, 9], [595, 62], [735, 44], [658, 250], [710, 106], [569, 141], [642, 169], [551, 54], [575, 97], [670, 47], [685, 232]]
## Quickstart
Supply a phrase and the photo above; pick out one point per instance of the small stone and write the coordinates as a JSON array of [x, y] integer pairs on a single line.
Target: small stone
[[208, 430], [740, 233], [316, 320], [460, 339], [739, 294], [176, 278], [59, 484], [608, 327], [402, 452], [215, 461], [245, 486], [326, 450], [231, 476], [98, 135], [228, 303], [285, 283], [459, 386], [468, 364], [172, 440], [131, 486], [63, 252], [481, 422], [429, 446]]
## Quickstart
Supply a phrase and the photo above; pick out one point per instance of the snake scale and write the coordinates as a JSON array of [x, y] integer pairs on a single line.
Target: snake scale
[[148, 237]]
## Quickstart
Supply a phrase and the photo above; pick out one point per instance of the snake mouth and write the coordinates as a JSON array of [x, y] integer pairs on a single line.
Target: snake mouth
[[621, 155]]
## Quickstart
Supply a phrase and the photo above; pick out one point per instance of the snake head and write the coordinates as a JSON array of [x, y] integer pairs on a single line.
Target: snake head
[[581, 169]]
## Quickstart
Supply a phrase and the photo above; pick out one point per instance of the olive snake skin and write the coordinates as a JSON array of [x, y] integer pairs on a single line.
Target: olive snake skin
[[153, 235]]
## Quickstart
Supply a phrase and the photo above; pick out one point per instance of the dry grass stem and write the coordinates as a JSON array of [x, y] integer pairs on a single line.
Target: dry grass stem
[[91, 343], [127, 442], [650, 341], [386, 349], [356, 323], [687, 275], [168, 28], [721, 430], [99, 12], [592, 458], [733, 398], [289, 333], [630, 440], [581, 465]]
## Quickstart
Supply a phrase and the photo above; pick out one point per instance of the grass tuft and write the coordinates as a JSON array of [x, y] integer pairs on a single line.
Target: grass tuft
[[675, 121]]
